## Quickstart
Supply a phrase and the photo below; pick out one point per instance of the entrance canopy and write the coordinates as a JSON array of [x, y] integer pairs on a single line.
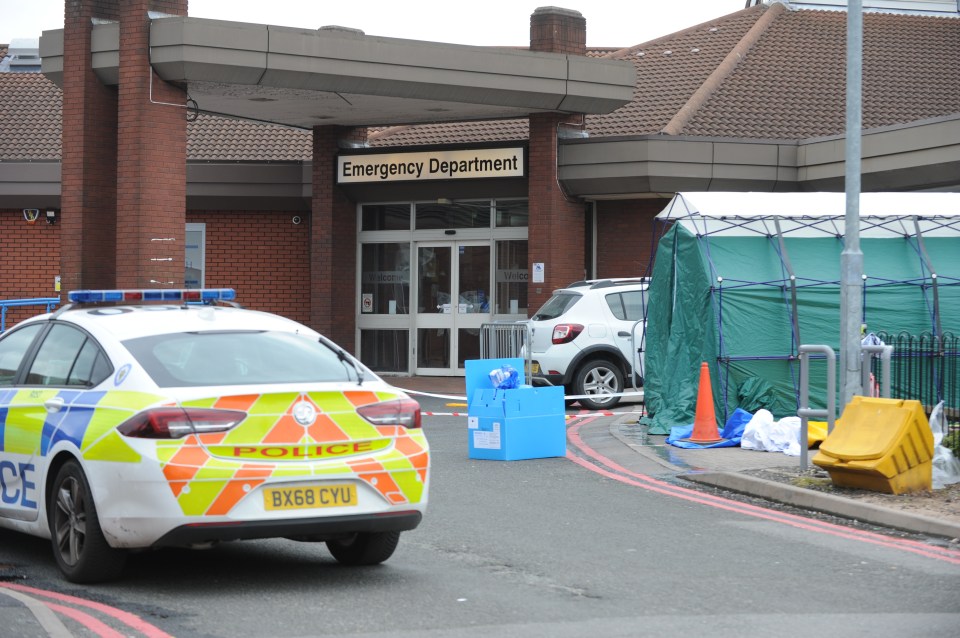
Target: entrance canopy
[[337, 76]]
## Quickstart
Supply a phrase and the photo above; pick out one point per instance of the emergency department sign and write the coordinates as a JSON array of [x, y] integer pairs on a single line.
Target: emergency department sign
[[430, 165]]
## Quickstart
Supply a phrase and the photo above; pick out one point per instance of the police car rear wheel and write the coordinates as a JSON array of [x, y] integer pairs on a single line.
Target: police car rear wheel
[[81, 551], [369, 548]]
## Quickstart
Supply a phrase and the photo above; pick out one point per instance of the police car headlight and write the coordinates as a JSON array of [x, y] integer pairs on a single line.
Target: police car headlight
[[405, 412], [175, 423]]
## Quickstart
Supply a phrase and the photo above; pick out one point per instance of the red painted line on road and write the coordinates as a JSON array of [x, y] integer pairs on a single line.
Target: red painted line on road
[[98, 627], [131, 620], [655, 485]]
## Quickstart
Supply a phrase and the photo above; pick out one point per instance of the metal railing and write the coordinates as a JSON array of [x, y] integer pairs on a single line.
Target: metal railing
[[926, 368], [507, 339], [882, 375], [805, 411], [47, 302]]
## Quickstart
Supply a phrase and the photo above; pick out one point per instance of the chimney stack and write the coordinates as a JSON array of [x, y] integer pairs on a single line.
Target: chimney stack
[[556, 30]]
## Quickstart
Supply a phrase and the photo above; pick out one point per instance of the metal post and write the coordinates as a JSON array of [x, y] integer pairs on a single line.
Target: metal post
[[885, 353], [805, 412], [633, 351], [851, 259]]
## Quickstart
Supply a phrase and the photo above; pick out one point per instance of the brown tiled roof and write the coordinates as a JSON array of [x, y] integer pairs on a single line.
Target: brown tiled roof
[[29, 117], [224, 139], [30, 129], [669, 71], [763, 73], [792, 84], [786, 80], [452, 133]]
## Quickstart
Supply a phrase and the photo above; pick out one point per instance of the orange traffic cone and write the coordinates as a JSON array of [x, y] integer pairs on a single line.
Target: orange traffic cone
[[705, 422]]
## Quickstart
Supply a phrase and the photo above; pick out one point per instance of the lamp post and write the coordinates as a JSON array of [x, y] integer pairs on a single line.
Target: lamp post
[[851, 259]]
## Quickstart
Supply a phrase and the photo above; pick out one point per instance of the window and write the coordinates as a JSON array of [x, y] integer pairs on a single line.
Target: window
[[385, 217], [511, 277], [195, 256], [237, 358], [91, 367], [634, 302], [455, 215], [13, 347], [556, 306], [627, 306], [68, 357], [385, 278], [513, 214]]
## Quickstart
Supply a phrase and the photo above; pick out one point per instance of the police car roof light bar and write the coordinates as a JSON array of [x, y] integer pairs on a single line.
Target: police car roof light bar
[[158, 294]]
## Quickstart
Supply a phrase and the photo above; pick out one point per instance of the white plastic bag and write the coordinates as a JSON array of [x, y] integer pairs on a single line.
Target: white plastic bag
[[946, 467], [764, 434]]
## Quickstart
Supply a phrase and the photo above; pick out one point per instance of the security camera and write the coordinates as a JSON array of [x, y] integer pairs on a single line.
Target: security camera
[[297, 219]]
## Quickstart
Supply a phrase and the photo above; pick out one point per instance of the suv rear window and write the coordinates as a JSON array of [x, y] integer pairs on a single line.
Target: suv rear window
[[556, 305]]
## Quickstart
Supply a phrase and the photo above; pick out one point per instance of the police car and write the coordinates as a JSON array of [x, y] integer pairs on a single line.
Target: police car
[[128, 425]]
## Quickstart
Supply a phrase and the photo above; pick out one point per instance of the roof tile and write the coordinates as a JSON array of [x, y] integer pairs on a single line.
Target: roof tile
[[789, 85]]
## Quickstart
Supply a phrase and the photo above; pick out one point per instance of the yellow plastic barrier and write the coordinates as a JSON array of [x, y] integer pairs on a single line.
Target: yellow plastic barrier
[[816, 433], [883, 445]]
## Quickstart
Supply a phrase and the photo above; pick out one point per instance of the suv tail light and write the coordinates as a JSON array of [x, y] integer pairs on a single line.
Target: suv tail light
[[566, 332], [405, 412], [176, 423]]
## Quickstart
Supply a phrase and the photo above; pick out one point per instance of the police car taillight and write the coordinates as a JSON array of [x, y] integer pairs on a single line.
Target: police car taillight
[[405, 412], [176, 423], [157, 294]]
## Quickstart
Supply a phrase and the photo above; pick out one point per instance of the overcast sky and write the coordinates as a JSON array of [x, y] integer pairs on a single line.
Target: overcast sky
[[610, 23]]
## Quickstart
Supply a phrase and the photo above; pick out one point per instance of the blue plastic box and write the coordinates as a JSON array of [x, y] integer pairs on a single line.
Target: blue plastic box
[[515, 424]]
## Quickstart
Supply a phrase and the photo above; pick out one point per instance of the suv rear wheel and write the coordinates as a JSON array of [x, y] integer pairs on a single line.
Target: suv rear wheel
[[599, 379]]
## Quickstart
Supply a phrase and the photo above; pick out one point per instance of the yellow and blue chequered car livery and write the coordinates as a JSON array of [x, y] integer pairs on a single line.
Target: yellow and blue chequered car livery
[[209, 473]]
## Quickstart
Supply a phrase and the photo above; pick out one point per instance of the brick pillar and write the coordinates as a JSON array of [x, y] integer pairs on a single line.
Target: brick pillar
[[556, 232], [88, 201], [152, 151], [333, 244]]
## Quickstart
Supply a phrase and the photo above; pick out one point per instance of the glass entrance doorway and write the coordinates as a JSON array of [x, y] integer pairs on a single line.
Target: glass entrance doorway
[[453, 288]]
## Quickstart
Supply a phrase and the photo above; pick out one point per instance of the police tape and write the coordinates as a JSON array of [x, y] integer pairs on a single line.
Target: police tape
[[571, 397], [578, 415]]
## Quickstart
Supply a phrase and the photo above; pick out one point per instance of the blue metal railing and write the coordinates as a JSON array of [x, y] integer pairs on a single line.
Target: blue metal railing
[[47, 302]]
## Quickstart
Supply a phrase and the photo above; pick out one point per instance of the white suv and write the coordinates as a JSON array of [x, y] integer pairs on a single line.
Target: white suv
[[588, 337]]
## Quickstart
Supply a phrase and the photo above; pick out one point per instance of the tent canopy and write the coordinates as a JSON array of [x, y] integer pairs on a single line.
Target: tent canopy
[[741, 280], [814, 214]]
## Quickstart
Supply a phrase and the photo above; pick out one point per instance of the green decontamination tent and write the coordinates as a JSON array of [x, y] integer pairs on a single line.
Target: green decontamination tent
[[740, 280]]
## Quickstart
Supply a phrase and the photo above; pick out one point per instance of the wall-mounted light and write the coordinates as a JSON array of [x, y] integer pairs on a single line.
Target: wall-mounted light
[[51, 216]]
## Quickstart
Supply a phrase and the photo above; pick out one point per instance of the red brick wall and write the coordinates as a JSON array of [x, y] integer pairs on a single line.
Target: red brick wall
[[556, 232], [626, 237], [89, 168], [265, 257], [152, 151], [29, 261], [556, 223], [333, 255]]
